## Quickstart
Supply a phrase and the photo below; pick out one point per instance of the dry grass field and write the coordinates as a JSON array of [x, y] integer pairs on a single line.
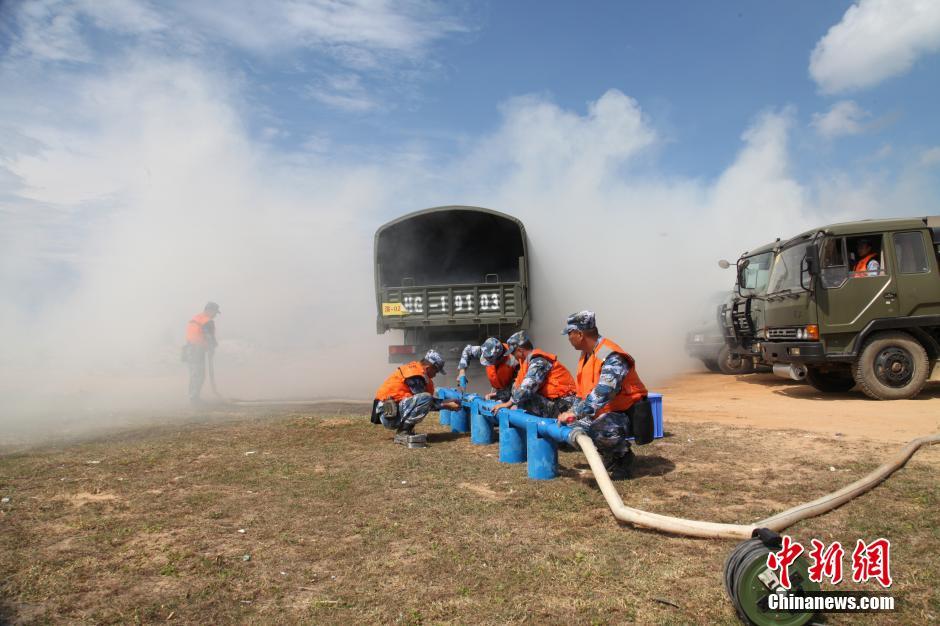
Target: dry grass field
[[312, 515]]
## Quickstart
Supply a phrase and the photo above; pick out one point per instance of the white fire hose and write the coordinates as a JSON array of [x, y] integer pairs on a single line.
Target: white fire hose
[[714, 530]]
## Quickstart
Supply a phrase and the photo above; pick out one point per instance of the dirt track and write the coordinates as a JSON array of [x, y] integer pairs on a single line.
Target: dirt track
[[767, 401]]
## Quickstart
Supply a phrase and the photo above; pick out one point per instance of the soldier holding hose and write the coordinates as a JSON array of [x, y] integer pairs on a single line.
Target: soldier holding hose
[[608, 388]]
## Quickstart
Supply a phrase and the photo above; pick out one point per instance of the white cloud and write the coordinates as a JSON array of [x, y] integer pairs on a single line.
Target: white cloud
[[343, 91], [843, 118], [263, 26], [874, 41], [386, 42], [930, 156]]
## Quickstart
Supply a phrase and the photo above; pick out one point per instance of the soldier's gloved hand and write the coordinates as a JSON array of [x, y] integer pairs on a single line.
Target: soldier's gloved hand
[[567, 417], [462, 381]]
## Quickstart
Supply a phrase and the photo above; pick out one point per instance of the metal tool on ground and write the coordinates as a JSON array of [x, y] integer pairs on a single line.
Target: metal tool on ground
[[412, 440]]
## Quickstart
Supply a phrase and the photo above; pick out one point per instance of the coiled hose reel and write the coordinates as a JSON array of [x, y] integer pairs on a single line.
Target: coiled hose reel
[[749, 582]]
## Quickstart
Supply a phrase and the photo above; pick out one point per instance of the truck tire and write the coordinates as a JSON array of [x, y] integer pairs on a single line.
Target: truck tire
[[891, 366], [730, 363], [838, 381], [710, 365]]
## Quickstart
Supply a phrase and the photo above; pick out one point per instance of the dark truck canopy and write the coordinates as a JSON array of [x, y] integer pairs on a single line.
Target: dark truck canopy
[[449, 245], [452, 271]]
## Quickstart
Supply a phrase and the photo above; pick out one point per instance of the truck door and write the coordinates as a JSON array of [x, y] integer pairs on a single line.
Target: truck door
[[918, 284], [858, 284]]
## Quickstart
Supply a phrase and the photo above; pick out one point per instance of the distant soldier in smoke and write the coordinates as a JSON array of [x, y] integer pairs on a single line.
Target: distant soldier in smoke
[[608, 386], [200, 347], [407, 396], [543, 386], [499, 364]]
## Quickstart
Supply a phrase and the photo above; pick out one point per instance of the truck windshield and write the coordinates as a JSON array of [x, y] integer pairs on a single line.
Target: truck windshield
[[785, 275], [756, 274]]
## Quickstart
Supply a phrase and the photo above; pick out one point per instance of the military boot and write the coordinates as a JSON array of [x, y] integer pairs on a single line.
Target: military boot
[[618, 465]]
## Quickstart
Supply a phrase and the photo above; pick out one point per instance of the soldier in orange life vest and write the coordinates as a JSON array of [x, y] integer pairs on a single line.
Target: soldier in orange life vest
[[867, 264], [200, 345], [544, 386], [608, 386], [499, 364], [410, 389]]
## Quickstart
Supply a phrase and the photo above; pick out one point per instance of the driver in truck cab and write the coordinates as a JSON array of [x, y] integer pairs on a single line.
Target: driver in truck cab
[[500, 366], [867, 264]]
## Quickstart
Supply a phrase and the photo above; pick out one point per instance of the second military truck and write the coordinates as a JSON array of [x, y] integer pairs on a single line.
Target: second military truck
[[858, 304], [449, 276]]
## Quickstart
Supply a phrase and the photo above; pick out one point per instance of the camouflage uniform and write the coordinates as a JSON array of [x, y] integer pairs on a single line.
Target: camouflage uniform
[[611, 431], [489, 354], [413, 409], [526, 394]]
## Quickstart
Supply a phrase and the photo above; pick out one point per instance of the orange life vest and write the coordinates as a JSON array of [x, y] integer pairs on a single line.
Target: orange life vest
[[395, 386], [862, 265], [589, 373], [559, 382], [502, 374], [194, 331]]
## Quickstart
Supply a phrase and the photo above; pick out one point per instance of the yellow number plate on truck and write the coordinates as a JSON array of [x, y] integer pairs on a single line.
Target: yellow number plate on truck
[[393, 308]]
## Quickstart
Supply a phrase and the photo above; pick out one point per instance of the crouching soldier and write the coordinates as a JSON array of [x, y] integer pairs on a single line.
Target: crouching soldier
[[544, 386], [608, 386], [407, 396], [500, 366]]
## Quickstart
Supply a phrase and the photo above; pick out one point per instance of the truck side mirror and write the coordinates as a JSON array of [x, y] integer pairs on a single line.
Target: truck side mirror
[[723, 264], [812, 262], [808, 269]]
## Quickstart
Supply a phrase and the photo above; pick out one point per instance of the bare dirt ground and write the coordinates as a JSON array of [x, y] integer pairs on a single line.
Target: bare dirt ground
[[768, 401], [311, 515]]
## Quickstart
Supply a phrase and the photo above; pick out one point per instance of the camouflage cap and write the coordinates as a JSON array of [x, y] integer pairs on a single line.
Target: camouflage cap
[[580, 321], [517, 339], [492, 351], [212, 306], [434, 358]]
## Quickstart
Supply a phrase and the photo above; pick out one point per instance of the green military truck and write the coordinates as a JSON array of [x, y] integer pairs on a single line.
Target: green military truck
[[742, 320], [449, 276], [858, 304], [706, 341]]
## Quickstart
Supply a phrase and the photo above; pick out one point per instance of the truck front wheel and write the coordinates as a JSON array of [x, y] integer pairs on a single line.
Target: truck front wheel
[[712, 366], [731, 363], [838, 381], [891, 366]]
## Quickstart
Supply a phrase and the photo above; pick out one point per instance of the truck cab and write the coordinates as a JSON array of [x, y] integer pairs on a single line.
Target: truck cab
[[858, 304], [743, 317]]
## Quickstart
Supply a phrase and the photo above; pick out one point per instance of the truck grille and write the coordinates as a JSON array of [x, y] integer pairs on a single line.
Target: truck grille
[[781, 333]]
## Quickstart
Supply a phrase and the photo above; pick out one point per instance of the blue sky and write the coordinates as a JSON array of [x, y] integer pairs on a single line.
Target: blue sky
[[701, 71], [262, 142]]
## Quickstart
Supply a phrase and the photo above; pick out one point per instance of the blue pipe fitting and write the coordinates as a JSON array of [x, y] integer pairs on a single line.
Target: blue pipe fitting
[[522, 437], [512, 444], [458, 420], [482, 432], [541, 450]]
